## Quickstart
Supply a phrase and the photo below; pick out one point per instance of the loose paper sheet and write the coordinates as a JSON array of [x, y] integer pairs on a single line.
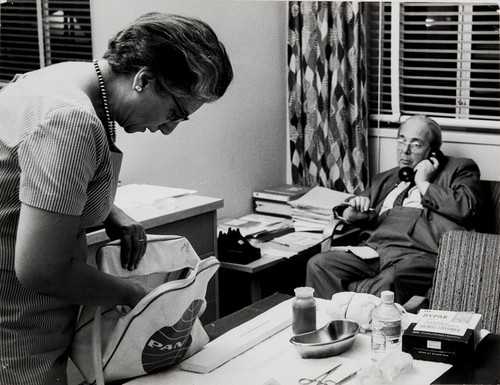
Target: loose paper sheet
[[363, 252], [143, 194]]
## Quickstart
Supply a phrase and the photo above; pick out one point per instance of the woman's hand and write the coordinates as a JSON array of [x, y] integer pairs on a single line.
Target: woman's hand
[[131, 234], [51, 256]]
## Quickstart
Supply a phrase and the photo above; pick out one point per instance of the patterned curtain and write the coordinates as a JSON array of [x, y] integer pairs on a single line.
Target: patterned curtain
[[328, 120]]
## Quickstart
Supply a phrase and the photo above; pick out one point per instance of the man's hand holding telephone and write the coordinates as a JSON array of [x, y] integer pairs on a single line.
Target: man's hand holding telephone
[[423, 173], [428, 167]]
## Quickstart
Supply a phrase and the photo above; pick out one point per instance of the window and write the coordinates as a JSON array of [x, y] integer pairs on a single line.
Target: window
[[37, 33], [438, 59]]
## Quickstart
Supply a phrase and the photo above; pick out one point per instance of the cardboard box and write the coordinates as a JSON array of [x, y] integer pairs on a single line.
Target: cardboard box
[[443, 336]]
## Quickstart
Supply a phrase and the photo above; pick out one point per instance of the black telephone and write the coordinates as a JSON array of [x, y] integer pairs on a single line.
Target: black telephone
[[406, 174]]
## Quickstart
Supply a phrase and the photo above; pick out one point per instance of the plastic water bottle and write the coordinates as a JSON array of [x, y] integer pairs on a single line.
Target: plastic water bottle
[[387, 317], [303, 311], [378, 343]]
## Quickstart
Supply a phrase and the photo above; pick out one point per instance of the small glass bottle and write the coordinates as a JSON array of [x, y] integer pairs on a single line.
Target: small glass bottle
[[377, 343], [303, 311], [388, 317]]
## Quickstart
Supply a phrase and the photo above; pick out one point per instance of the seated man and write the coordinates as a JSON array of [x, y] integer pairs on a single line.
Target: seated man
[[403, 238]]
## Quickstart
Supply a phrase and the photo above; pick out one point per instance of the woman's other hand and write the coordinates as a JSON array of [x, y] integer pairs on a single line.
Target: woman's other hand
[[51, 259], [131, 235]]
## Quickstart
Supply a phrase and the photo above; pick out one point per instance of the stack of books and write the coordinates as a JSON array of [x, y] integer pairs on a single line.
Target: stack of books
[[276, 200], [313, 211]]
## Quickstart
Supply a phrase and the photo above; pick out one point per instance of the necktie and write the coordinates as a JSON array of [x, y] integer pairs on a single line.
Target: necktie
[[401, 197]]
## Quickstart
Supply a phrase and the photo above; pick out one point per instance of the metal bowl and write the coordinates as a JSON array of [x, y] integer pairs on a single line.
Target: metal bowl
[[335, 338]]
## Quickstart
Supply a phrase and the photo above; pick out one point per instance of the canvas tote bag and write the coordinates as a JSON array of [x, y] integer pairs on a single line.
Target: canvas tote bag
[[162, 329]]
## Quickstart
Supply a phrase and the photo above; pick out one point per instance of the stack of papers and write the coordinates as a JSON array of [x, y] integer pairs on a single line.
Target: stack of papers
[[313, 211]]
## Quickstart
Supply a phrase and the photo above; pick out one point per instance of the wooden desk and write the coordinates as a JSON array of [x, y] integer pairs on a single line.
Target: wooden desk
[[267, 275], [263, 275], [267, 262], [191, 216]]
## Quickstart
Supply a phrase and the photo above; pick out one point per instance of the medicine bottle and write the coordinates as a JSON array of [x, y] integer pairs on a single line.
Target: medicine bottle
[[303, 311], [388, 317]]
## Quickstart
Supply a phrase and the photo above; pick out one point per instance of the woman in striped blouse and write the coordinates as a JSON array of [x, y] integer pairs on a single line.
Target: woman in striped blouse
[[58, 175]]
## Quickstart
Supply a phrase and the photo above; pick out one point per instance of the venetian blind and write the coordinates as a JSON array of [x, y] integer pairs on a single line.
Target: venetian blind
[[437, 59], [37, 33]]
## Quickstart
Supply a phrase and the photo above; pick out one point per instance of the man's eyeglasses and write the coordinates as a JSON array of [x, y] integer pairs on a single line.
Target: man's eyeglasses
[[183, 116], [415, 146]]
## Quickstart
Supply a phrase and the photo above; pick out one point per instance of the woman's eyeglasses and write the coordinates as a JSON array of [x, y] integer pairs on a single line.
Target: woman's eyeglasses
[[182, 113]]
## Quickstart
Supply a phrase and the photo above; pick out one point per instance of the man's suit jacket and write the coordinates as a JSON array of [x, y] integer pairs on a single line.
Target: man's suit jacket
[[452, 201]]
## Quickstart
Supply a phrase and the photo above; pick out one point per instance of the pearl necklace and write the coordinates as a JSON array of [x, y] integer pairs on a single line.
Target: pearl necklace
[[110, 123]]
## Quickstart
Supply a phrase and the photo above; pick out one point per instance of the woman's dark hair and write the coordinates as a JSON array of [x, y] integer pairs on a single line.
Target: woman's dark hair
[[183, 52]]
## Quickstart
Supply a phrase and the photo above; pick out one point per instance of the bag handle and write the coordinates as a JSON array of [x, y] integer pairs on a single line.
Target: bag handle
[[154, 260], [97, 348]]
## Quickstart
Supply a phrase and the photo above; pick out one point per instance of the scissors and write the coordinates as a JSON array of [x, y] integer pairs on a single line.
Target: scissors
[[318, 380]]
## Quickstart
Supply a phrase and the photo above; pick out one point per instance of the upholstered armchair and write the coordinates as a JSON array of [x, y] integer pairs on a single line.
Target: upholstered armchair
[[467, 274]]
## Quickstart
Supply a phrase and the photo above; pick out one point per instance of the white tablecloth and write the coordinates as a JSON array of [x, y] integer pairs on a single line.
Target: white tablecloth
[[276, 362]]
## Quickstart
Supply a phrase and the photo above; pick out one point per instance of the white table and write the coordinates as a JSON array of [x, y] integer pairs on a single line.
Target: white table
[[276, 362]]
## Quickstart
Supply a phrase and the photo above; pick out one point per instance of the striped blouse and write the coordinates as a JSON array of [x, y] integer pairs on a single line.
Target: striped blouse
[[54, 155]]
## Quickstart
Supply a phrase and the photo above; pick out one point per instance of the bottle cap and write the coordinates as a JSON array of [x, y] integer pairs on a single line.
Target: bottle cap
[[387, 296], [304, 292]]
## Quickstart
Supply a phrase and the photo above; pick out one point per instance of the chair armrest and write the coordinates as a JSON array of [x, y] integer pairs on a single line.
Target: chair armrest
[[338, 233], [467, 276], [416, 303], [330, 229]]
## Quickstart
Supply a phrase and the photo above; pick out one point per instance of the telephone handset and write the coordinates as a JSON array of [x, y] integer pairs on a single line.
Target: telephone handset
[[406, 174]]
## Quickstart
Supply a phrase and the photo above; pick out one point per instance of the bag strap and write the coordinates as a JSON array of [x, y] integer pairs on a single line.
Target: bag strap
[[97, 348], [154, 261]]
